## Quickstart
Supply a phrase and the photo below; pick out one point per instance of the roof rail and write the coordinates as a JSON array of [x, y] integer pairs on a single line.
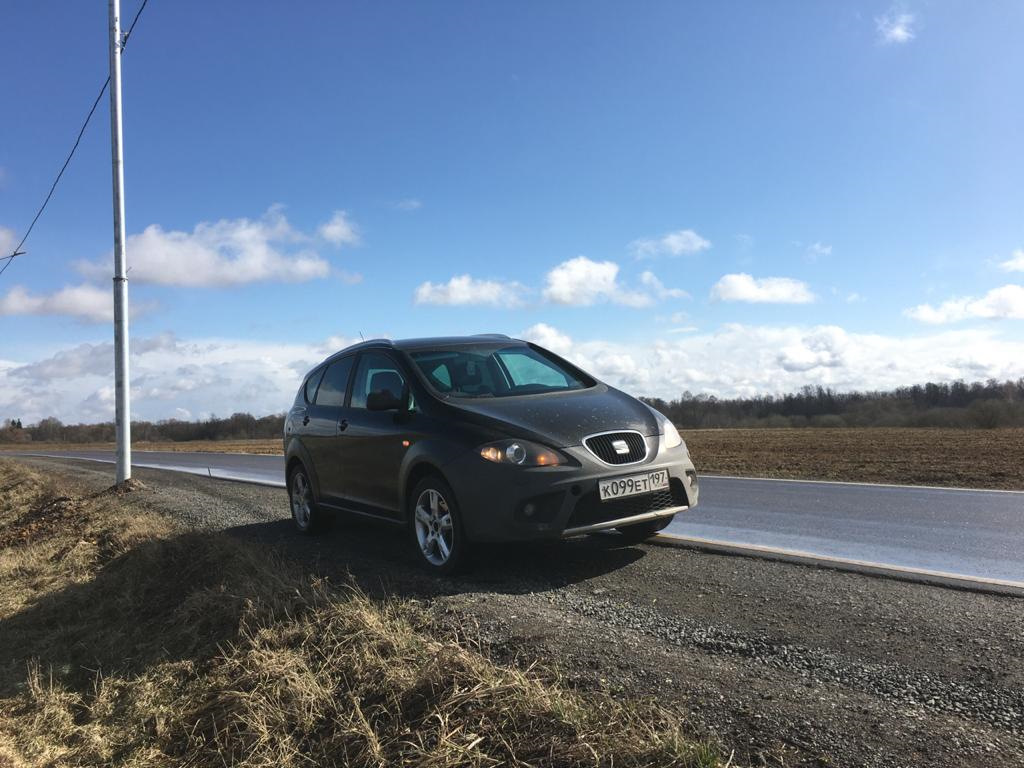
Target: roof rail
[[492, 335]]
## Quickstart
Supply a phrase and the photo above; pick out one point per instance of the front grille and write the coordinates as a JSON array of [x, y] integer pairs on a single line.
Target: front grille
[[604, 447], [590, 510]]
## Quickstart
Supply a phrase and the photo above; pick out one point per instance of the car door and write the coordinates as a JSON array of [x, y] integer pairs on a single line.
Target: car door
[[325, 427], [374, 449]]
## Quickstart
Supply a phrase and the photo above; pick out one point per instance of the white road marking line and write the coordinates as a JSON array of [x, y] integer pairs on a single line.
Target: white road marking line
[[869, 485]]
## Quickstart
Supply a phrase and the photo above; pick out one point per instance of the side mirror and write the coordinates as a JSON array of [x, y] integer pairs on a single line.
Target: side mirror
[[383, 400]]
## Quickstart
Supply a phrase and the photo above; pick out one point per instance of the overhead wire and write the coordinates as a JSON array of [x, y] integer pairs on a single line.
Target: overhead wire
[[81, 131]]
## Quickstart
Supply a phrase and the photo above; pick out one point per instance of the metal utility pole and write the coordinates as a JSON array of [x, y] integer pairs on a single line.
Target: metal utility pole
[[122, 407]]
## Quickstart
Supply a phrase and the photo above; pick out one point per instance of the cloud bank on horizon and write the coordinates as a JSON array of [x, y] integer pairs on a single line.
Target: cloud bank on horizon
[[196, 378]]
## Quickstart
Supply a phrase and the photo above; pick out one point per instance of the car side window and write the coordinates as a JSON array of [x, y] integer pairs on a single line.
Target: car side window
[[335, 383], [442, 377], [376, 372], [312, 383]]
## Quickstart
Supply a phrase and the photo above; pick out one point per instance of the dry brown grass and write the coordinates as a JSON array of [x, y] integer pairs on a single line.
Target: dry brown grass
[[970, 458], [124, 641]]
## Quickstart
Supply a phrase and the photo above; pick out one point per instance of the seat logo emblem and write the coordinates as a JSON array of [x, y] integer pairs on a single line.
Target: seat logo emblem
[[620, 447]]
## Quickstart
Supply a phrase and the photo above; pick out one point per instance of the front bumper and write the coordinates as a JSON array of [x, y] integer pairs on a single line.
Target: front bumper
[[507, 503]]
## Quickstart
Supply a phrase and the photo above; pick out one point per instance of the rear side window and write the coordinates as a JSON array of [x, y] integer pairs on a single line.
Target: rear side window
[[312, 383], [335, 384]]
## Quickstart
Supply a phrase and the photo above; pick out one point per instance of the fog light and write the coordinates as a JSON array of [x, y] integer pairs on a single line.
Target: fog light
[[529, 509]]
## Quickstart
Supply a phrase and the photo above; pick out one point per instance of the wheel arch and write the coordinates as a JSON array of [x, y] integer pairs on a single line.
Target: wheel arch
[[298, 457], [416, 473]]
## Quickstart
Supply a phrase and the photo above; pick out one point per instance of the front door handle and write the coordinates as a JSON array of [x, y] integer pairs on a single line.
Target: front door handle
[[343, 425], [305, 420]]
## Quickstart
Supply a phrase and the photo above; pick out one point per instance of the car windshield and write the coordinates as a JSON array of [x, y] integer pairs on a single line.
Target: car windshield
[[487, 370]]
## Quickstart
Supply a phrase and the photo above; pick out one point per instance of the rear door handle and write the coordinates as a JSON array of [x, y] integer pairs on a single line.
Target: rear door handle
[[343, 425], [305, 420]]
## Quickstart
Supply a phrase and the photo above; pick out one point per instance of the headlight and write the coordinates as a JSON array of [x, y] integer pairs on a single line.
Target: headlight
[[672, 436], [522, 453]]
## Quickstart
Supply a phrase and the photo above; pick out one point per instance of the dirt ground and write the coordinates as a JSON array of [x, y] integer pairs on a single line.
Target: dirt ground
[[966, 458], [781, 664]]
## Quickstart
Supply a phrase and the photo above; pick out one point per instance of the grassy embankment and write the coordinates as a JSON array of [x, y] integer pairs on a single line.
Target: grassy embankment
[[126, 640], [972, 458]]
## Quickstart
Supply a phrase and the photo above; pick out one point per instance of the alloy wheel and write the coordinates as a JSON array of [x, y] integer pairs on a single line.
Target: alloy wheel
[[301, 500], [434, 528]]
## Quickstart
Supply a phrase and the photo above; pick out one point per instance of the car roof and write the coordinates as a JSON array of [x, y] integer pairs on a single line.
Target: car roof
[[427, 342], [447, 341]]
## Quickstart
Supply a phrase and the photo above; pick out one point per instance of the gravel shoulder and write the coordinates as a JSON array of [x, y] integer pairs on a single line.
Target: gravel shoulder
[[785, 664]]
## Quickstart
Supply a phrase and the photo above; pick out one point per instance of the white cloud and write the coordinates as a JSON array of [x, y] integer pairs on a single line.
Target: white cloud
[[85, 302], [349, 278], [777, 290], [1004, 302], [678, 243], [744, 242], [817, 250], [409, 204], [658, 289], [581, 282], [741, 360], [170, 377], [549, 338], [854, 298], [822, 347], [578, 282], [225, 252], [339, 230], [895, 26], [1015, 263], [7, 239], [464, 290]]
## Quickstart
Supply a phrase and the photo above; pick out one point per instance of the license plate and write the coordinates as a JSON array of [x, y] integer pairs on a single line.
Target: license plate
[[633, 485]]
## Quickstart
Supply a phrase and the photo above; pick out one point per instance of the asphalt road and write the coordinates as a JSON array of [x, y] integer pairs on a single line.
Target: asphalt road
[[978, 534]]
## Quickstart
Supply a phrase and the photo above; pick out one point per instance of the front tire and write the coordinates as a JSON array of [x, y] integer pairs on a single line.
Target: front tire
[[436, 526], [639, 532], [309, 518]]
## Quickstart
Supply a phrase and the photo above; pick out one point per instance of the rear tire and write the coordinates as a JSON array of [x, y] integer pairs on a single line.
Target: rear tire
[[642, 531], [435, 525], [309, 518]]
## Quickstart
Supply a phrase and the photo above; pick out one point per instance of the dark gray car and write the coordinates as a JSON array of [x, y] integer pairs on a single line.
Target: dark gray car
[[480, 438]]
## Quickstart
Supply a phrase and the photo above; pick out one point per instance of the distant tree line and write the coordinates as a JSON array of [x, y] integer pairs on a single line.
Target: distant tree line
[[979, 405], [238, 426]]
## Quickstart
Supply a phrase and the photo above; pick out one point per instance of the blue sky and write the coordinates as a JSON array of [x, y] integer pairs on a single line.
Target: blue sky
[[723, 197]]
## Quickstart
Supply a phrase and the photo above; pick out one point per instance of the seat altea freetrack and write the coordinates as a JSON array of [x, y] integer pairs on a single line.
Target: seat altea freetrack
[[479, 438]]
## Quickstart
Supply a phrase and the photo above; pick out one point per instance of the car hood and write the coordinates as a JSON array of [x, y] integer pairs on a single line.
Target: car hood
[[561, 419]]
